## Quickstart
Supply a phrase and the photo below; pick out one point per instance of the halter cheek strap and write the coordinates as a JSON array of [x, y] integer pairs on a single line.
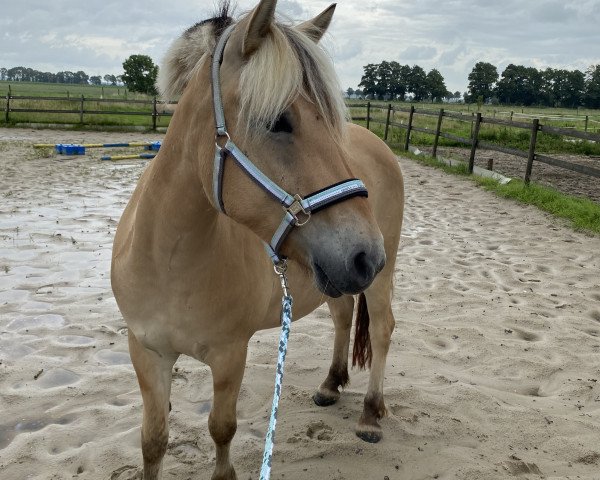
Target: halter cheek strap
[[298, 210]]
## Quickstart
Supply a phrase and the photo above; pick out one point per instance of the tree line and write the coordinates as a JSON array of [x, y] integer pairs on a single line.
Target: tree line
[[26, 74], [139, 75], [390, 80], [517, 85], [520, 85]]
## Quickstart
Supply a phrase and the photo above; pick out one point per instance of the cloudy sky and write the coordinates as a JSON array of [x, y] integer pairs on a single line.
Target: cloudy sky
[[450, 35]]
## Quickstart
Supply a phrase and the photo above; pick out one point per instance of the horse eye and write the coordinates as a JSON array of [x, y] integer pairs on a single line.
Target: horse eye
[[282, 124]]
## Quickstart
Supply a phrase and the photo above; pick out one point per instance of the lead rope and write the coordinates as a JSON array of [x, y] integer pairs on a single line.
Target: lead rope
[[286, 320]]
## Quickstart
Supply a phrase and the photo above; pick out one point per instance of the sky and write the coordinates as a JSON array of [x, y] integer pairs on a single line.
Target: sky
[[451, 35]]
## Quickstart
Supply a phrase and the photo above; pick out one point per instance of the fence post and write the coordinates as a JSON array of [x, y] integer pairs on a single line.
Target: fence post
[[409, 127], [437, 133], [472, 115], [475, 141], [6, 113], [154, 114], [368, 114], [387, 122], [81, 110], [587, 119], [535, 126]]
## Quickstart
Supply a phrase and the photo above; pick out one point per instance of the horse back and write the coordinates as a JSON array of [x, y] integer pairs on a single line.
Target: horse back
[[377, 166]]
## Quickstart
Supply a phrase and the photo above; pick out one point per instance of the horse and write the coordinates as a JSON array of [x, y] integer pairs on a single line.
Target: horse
[[189, 270]]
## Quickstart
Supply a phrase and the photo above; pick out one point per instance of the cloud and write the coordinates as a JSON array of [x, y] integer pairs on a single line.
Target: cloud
[[452, 35]]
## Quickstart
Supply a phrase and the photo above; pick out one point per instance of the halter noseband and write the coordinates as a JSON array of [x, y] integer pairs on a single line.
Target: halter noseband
[[294, 205]]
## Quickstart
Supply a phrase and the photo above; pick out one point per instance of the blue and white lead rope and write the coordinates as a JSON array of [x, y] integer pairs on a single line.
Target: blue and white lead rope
[[286, 321]]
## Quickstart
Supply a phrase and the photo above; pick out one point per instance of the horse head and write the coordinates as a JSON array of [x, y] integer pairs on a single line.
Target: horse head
[[284, 110]]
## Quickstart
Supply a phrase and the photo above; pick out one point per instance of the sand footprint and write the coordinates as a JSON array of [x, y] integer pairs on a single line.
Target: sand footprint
[[127, 472], [595, 315], [441, 345], [319, 431], [527, 335]]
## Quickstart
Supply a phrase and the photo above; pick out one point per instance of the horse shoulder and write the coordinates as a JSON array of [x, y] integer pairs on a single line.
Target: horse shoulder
[[373, 162]]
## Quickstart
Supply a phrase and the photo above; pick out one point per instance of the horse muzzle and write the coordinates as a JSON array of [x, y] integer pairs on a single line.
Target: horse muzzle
[[348, 271]]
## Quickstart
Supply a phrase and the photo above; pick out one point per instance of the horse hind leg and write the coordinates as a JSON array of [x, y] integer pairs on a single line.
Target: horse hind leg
[[154, 376], [341, 311], [228, 371], [380, 321]]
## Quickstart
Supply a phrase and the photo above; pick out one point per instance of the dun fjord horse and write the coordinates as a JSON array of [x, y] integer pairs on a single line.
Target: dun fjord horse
[[189, 268]]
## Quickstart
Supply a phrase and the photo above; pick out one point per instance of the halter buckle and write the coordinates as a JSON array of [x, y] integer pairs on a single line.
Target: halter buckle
[[295, 208]]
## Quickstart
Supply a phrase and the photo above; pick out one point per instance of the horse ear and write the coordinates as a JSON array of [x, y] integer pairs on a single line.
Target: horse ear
[[316, 28], [259, 26]]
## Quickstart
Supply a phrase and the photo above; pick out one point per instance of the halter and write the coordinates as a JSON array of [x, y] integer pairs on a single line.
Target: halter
[[298, 210]]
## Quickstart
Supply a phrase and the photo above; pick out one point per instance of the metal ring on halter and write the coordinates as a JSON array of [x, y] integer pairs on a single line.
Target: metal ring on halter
[[220, 135], [295, 208]]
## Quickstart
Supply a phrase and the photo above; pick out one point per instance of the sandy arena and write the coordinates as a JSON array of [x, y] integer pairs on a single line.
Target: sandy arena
[[493, 371]]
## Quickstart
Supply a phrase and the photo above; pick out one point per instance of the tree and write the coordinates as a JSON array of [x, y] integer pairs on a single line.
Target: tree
[[3, 72], [481, 81], [96, 80], [436, 87], [80, 77], [417, 83], [400, 76], [369, 80], [562, 88], [140, 74], [520, 85], [110, 79], [592, 86], [350, 91]]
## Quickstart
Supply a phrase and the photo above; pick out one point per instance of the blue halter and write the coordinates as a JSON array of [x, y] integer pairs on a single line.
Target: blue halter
[[297, 209]]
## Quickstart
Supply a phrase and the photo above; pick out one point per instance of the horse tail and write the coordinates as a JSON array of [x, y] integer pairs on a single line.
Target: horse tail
[[361, 353]]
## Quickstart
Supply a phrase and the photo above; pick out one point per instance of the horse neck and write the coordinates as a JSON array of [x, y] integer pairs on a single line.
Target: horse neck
[[177, 172]]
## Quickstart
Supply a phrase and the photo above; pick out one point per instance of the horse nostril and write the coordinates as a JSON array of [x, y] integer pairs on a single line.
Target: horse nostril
[[362, 266]]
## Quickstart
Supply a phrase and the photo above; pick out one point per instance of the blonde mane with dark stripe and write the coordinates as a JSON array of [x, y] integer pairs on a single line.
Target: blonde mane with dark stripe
[[288, 65]]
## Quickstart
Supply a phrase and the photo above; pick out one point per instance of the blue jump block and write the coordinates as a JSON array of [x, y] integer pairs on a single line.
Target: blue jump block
[[69, 149], [154, 146]]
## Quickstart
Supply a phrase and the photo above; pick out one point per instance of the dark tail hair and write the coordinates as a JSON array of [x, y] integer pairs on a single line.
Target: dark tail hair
[[361, 353]]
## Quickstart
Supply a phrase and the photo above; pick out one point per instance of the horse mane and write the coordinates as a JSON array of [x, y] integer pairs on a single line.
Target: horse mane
[[189, 51], [287, 65]]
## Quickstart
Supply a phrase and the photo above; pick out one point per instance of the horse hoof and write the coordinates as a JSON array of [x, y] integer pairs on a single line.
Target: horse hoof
[[324, 400], [369, 436]]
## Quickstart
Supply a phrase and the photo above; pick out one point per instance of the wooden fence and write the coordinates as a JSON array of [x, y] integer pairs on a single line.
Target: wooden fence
[[77, 106], [150, 108], [474, 142]]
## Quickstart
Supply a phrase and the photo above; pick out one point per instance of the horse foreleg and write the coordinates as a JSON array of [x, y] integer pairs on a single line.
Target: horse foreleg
[[154, 376], [341, 311], [228, 370], [381, 326]]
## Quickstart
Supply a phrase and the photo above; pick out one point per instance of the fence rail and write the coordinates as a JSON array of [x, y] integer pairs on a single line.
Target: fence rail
[[152, 112], [474, 142], [81, 106]]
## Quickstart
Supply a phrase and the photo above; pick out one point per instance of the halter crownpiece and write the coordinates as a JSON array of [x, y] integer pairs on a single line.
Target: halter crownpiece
[[298, 210]]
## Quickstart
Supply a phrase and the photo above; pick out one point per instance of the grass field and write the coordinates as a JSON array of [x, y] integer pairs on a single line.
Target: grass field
[[70, 95], [68, 98], [35, 89], [500, 135]]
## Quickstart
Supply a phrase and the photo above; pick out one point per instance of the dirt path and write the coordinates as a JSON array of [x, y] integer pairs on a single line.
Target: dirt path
[[566, 181]]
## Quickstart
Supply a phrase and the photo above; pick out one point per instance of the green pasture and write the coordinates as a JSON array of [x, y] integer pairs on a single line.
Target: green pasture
[[70, 99], [37, 89], [505, 136]]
